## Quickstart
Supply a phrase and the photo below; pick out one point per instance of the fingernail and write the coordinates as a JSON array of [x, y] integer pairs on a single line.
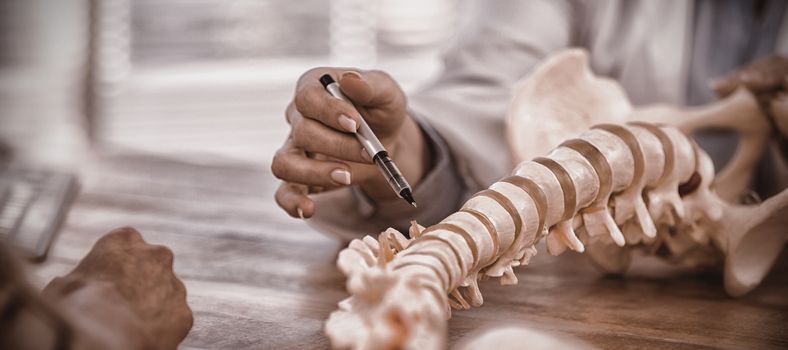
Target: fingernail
[[300, 213], [365, 155], [341, 176], [352, 74], [347, 123]]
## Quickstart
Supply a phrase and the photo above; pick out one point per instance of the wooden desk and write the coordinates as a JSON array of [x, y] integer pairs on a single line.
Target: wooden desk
[[259, 279]]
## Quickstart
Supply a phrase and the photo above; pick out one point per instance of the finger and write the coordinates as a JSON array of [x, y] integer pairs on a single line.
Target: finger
[[726, 85], [125, 235], [759, 81], [291, 164], [378, 97], [297, 168], [162, 254], [762, 76], [181, 314], [291, 113], [370, 89], [315, 189], [178, 286], [294, 201], [314, 137], [314, 102], [779, 111], [186, 319]]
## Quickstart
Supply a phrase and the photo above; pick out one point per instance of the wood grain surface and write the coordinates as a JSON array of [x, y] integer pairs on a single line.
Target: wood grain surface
[[258, 279]]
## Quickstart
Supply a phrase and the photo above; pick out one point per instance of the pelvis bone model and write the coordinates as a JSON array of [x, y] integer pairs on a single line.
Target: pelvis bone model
[[630, 181]]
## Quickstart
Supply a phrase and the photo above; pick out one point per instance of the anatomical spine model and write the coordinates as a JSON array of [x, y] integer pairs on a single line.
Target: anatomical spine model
[[614, 188]]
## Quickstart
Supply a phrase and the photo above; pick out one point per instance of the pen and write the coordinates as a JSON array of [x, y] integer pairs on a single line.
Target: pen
[[373, 147]]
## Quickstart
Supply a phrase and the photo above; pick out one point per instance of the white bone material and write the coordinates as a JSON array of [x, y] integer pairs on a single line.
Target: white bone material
[[608, 191]]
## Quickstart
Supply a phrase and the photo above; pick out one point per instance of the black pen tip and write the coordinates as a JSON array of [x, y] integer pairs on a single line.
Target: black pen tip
[[407, 196], [326, 80]]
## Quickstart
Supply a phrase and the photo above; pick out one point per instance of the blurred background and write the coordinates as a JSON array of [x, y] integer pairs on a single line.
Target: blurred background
[[204, 80]]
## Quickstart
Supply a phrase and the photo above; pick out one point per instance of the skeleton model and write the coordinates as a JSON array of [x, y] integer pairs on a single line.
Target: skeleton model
[[620, 185]]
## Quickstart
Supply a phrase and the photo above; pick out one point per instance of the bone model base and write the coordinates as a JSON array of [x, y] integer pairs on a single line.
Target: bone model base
[[612, 189]]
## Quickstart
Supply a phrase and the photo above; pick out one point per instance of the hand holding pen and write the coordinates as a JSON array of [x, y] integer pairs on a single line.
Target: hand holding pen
[[322, 153]]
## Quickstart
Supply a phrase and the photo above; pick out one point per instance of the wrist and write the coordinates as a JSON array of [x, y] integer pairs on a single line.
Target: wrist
[[102, 317]]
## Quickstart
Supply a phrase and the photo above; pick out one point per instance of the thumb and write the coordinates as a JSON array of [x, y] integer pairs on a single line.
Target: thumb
[[371, 89], [379, 99]]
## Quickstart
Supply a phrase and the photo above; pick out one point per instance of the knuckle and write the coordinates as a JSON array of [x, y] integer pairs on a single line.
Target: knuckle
[[278, 196], [278, 166], [384, 78], [187, 317], [179, 286], [289, 112], [301, 99], [381, 73], [314, 71], [126, 233], [292, 115], [284, 200], [163, 254], [300, 134], [298, 99]]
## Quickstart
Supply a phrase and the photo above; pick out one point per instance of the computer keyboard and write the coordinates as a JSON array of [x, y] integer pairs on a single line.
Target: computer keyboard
[[33, 206]]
